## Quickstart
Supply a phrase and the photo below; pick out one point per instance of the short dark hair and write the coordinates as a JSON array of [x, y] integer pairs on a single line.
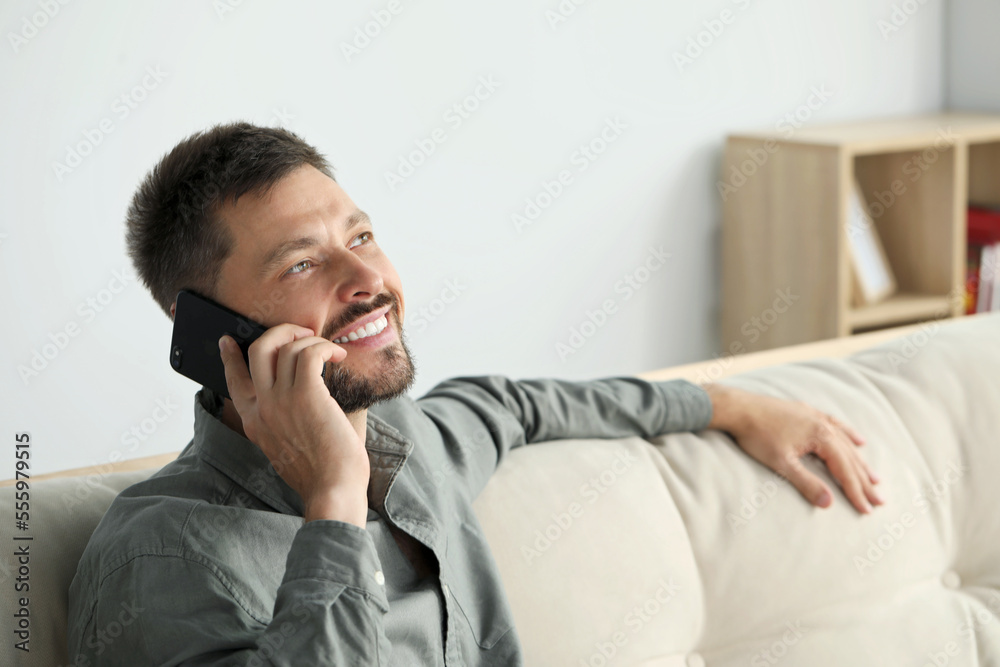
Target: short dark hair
[[175, 237]]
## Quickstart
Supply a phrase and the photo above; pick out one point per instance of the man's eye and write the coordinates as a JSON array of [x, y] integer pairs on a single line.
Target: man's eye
[[296, 269], [370, 235]]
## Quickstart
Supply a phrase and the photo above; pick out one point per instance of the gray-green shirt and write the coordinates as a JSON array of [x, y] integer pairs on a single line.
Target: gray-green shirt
[[209, 561]]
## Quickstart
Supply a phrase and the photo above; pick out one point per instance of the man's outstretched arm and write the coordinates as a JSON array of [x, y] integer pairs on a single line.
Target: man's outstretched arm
[[512, 413]]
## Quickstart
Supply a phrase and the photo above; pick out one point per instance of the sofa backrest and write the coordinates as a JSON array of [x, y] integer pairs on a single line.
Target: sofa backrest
[[592, 537], [63, 514]]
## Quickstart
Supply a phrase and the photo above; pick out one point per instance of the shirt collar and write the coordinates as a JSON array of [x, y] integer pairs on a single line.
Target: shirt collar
[[242, 461]]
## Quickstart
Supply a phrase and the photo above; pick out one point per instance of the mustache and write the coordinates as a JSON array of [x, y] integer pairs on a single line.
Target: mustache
[[357, 310]]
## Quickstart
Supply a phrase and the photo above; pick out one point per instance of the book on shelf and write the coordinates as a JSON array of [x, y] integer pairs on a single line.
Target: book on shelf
[[982, 277], [872, 279]]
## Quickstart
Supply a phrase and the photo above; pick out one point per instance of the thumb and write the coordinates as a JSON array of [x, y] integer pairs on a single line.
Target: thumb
[[238, 379]]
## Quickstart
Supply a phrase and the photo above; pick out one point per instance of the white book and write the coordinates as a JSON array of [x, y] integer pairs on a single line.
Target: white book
[[995, 268], [986, 264]]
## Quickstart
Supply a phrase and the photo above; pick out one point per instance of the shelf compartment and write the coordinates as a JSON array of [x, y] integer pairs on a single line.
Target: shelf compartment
[[900, 308]]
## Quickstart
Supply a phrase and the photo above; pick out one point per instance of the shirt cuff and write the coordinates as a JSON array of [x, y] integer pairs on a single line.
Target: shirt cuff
[[689, 407], [338, 552]]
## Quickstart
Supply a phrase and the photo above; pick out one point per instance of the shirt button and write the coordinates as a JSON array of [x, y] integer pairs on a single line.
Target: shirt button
[[950, 579], [695, 660], [379, 578]]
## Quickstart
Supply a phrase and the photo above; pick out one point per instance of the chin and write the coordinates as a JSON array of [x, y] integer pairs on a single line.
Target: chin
[[392, 375]]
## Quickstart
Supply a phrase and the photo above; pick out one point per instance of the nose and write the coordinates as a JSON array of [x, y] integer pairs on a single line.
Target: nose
[[358, 281]]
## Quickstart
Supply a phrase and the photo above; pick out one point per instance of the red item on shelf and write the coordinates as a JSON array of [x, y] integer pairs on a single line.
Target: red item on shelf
[[983, 230], [983, 225]]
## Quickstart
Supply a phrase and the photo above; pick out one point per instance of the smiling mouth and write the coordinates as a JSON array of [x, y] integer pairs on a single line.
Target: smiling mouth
[[371, 329]]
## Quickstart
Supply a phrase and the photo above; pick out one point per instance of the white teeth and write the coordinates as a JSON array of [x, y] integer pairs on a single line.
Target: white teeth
[[369, 329]]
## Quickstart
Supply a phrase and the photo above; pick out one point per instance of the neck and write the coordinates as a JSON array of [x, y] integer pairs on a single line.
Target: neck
[[231, 418]]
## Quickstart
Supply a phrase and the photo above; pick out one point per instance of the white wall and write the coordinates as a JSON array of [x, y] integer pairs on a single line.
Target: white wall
[[973, 55], [62, 237]]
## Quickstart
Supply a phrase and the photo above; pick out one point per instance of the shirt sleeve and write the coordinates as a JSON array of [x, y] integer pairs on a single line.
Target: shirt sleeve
[[177, 608], [504, 414]]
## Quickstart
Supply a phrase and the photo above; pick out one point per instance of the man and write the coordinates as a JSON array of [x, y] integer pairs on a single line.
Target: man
[[301, 525]]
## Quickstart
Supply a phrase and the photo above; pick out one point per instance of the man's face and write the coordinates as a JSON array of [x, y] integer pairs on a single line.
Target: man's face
[[329, 283]]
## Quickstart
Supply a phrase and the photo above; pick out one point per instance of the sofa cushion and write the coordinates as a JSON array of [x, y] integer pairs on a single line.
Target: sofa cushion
[[760, 574]]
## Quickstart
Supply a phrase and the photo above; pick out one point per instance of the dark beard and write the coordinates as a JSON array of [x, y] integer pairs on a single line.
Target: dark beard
[[394, 375]]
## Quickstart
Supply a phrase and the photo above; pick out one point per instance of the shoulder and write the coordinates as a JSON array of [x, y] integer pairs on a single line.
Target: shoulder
[[186, 518]]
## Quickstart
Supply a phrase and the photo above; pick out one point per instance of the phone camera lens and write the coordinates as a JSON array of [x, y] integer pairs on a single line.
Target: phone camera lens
[[175, 357]]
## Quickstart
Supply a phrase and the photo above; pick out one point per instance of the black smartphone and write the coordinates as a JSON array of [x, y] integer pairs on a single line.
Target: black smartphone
[[199, 323]]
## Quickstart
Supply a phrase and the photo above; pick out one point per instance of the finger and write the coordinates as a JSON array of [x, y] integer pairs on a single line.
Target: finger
[[263, 352], [872, 477], [287, 360], [862, 471], [809, 485], [238, 381], [867, 472], [845, 473], [851, 432], [311, 359], [290, 354]]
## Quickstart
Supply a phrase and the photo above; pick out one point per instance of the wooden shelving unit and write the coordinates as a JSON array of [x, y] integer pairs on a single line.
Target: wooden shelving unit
[[785, 224]]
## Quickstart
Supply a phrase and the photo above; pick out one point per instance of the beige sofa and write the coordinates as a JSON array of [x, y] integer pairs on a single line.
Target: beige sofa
[[681, 550]]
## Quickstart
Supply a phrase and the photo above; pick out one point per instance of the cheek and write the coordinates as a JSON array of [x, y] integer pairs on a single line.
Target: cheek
[[300, 310], [393, 284]]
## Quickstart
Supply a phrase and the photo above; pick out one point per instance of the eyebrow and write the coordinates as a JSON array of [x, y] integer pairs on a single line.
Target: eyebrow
[[279, 254]]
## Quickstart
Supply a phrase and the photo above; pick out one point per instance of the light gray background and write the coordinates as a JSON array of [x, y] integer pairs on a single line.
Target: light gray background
[[61, 239]]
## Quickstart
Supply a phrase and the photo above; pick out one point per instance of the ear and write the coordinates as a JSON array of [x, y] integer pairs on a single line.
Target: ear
[[173, 307]]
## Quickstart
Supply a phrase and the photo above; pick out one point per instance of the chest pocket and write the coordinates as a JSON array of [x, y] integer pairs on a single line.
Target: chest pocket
[[474, 584]]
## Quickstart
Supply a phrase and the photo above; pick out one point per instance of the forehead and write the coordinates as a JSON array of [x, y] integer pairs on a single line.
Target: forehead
[[304, 197]]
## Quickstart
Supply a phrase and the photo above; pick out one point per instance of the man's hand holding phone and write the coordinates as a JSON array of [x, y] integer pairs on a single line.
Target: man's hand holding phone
[[288, 412]]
